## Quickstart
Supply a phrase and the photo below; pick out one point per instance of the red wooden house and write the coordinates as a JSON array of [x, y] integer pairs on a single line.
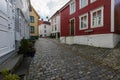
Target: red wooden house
[[91, 22]]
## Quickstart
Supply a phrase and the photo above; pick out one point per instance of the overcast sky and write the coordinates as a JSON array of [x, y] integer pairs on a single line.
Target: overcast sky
[[47, 7]]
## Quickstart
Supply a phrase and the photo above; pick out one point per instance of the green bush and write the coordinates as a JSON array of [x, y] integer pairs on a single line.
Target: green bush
[[8, 76], [5, 72], [24, 46], [12, 77], [27, 48]]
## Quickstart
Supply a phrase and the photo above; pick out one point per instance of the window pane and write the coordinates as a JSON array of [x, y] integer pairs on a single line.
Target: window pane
[[72, 7], [94, 19], [31, 29], [99, 15], [32, 19], [83, 22], [97, 18], [83, 3]]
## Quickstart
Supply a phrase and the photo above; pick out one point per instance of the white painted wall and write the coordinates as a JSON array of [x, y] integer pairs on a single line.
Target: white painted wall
[[7, 38], [55, 21], [42, 29], [22, 7], [100, 40]]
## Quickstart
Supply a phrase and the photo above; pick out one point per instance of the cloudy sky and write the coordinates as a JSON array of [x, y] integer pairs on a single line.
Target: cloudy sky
[[47, 7]]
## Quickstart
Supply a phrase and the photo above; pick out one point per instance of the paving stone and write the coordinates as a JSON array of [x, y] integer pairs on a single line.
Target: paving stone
[[53, 61]]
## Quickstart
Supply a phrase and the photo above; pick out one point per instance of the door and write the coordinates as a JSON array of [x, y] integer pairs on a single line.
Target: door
[[72, 27]]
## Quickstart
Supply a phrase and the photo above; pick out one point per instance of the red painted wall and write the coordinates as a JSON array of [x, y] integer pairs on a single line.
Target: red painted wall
[[65, 16], [65, 22]]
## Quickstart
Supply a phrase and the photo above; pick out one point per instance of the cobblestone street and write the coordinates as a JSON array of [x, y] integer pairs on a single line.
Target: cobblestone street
[[55, 62]]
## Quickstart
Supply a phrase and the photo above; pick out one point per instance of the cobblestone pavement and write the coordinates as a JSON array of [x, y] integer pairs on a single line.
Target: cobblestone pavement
[[54, 62]]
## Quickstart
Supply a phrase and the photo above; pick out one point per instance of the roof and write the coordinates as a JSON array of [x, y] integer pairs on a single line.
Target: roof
[[35, 11], [65, 5], [57, 12], [40, 22], [43, 22], [46, 22]]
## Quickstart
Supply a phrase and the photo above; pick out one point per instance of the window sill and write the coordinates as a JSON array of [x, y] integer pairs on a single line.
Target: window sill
[[97, 26]]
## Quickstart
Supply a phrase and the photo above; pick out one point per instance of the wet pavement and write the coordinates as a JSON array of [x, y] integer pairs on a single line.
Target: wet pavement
[[55, 62]]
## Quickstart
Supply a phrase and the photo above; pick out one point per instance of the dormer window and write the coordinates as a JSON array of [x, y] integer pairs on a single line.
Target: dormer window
[[72, 7], [83, 3]]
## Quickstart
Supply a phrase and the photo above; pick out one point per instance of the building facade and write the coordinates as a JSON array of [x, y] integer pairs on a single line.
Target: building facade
[[8, 25], [21, 20], [34, 17], [55, 25], [44, 29], [7, 40], [91, 22]]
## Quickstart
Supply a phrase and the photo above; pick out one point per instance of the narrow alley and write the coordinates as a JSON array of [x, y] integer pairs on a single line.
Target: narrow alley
[[54, 62]]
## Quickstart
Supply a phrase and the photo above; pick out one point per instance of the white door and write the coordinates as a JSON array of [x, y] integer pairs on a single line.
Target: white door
[[6, 31]]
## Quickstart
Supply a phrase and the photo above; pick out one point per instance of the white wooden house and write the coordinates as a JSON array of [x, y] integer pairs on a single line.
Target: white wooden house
[[44, 29], [8, 25], [55, 25], [7, 29]]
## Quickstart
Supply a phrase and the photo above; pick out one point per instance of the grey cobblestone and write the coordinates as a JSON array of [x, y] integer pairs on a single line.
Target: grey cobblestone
[[54, 62]]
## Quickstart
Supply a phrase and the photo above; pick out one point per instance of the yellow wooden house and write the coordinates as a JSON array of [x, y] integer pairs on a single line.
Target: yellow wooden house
[[34, 17]]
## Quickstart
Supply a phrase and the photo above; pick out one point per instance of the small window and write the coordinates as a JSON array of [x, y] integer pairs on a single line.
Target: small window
[[83, 3], [92, 1], [44, 26], [83, 21], [55, 27], [97, 18], [32, 19], [72, 7], [31, 29], [45, 35], [44, 31]]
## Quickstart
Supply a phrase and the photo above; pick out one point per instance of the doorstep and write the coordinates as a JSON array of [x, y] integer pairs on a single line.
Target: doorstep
[[11, 63]]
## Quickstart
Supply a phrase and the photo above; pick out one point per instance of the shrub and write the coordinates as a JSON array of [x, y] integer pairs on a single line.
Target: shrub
[[12, 77], [24, 46], [5, 72], [27, 48], [8, 76]]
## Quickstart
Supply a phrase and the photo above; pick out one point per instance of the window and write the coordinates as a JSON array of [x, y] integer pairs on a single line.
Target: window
[[97, 17], [31, 29], [44, 26], [83, 3], [52, 28], [44, 31], [83, 21], [92, 1], [32, 19], [55, 27], [72, 7], [45, 35]]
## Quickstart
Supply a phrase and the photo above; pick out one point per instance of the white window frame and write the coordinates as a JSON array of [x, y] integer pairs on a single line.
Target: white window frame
[[102, 17], [86, 14], [91, 1], [73, 1], [84, 5]]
